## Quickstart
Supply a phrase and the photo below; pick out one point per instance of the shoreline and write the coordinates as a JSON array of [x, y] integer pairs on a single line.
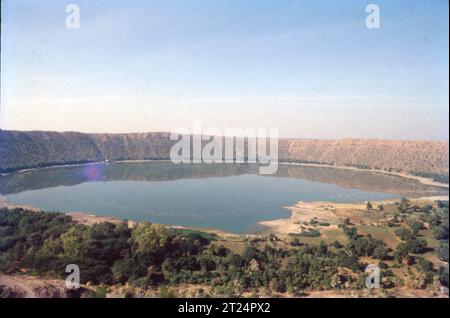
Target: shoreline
[[90, 218], [304, 211], [52, 167], [421, 180]]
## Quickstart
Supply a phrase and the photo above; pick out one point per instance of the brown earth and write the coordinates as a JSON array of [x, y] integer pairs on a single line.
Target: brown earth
[[22, 150], [24, 286], [429, 156]]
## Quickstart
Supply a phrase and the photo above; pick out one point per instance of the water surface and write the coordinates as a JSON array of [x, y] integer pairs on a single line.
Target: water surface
[[233, 198]]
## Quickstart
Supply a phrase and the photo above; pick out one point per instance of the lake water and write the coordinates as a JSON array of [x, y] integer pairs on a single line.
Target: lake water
[[233, 198]]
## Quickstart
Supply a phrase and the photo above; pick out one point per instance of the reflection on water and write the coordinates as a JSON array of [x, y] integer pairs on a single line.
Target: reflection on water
[[225, 196]]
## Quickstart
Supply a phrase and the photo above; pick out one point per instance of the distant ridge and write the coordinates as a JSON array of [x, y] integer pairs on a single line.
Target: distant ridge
[[31, 149]]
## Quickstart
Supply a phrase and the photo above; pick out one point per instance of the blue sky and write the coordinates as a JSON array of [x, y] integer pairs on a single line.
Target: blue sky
[[310, 68]]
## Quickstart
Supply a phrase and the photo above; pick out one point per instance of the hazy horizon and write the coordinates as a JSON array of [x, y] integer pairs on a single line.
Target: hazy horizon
[[312, 69]]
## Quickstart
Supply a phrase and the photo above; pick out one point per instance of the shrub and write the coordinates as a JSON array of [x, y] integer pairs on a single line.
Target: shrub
[[441, 232], [443, 251], [404, 234], [416, 246], [310, 233]]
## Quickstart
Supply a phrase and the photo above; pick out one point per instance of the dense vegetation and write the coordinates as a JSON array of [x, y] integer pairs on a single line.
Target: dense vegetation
[[150, 256]]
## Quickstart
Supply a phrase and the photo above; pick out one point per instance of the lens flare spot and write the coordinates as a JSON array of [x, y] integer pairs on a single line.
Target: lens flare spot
[[92, 172]]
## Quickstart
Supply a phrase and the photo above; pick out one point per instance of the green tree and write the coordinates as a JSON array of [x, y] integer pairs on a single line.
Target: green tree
[[149, 238], [401, 252], [416, 246], [380, 252], [416, 227], [443, 251], [441, 232], [72, 241], [404, 234], [123, 270], [424, 264]]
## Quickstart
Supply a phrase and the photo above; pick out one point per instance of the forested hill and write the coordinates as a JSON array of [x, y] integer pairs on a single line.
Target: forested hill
[[20, 150]]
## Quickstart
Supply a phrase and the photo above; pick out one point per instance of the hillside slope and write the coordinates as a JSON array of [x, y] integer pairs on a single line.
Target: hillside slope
[[20, 150], [410, 156]]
